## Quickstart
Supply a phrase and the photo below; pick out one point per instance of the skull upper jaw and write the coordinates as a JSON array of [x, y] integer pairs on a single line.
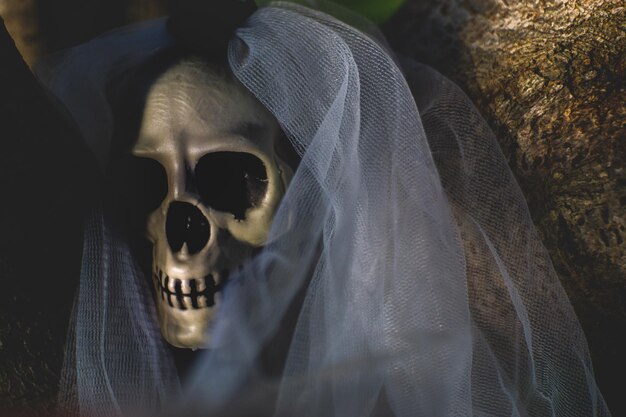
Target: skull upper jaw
[[186, 329], [188, 289]]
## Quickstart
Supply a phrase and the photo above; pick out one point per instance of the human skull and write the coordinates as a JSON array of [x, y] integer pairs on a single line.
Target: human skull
[[220, 150]]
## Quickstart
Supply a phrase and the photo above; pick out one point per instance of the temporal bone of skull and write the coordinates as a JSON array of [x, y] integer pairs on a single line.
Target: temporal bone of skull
[[218, 146]]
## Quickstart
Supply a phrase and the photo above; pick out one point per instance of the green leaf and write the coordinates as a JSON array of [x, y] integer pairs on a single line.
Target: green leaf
[[378, 11]]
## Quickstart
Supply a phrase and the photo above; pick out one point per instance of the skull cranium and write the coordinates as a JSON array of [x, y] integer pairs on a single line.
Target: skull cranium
[[220, 150]]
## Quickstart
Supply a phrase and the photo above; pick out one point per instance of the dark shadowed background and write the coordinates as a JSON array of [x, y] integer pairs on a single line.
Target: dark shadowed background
[[548, 75]]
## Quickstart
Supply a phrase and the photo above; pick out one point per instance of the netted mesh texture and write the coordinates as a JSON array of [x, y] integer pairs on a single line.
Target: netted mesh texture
[[402, 251], [116, 360], [530, 355]]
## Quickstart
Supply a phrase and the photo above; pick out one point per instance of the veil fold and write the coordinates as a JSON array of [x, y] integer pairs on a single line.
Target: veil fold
[[403, 251]]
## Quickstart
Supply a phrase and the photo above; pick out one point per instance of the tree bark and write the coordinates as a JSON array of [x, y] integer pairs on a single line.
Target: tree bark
[[549, 77]]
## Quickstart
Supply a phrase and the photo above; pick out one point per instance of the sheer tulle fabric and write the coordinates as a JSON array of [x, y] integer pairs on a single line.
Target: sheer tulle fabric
[[403, 249]]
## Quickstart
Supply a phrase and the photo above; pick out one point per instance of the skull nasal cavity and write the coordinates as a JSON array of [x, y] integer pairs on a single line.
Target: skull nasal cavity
[[186, 224]]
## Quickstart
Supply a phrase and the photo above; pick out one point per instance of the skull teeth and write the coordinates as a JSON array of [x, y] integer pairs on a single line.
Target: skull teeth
[[188, 294]]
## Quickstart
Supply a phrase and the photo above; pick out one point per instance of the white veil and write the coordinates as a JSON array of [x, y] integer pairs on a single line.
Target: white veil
[[404, 275]]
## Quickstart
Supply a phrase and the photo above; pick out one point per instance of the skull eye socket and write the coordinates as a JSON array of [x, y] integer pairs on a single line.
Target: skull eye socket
[[231, 181], [148, 181]]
